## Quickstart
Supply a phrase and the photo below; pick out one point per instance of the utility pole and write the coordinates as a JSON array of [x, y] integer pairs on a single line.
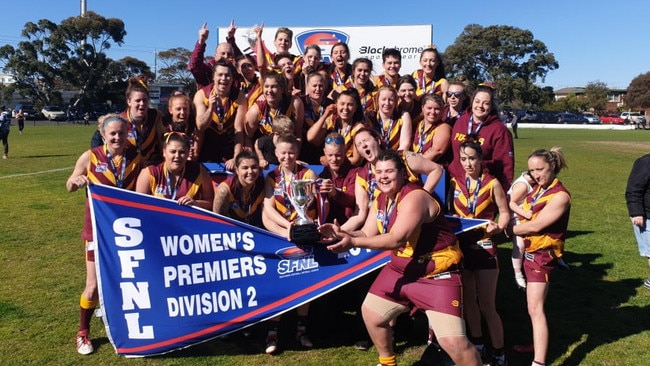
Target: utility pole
[[155, 64]]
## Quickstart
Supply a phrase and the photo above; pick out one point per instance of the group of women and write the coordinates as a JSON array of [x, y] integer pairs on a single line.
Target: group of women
[[385, 146]]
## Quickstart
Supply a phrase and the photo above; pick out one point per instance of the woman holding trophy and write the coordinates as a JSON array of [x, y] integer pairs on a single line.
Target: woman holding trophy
[[282, 207]]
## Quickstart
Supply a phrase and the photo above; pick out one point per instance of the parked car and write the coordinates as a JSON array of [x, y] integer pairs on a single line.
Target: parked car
[[591, 118], [53, 113], [570, 118], [631, 117], [612, 118], [28, 111], [529, 116]]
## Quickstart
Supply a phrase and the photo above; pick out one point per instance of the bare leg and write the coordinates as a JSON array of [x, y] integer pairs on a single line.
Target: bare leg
[[461, 350], [486, 283], [379, 330], [536, 295], [90, 291], [470, 302]]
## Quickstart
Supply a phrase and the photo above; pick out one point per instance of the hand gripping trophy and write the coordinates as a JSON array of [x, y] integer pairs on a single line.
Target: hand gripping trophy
[[301, 194]]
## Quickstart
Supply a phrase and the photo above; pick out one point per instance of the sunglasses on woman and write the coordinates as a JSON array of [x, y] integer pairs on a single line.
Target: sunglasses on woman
[[336, 140], [457, 95]]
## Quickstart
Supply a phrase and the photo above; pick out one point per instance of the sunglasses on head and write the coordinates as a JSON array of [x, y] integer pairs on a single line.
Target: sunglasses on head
[[336, 140], [454, 94]]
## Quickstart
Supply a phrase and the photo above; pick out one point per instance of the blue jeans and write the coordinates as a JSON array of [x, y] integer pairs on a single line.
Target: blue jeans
[[642, 235]]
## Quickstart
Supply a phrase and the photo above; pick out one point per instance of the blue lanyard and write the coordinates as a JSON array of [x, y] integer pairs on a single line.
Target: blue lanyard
[[119, 178], [390, 206], [470, 126], [472, 206], [347, 129], [337, 77], [266, 121], [385, 133], [423, 137], [372, 184], [457, 116], [537, 196], [424, 84], [220, 111], [136, 135], [172, 189]]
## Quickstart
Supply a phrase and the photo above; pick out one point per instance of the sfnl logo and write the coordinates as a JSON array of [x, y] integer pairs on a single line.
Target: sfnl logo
[[324, 38]]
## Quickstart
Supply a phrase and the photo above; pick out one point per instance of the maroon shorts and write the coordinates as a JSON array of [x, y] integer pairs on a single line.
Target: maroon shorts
[[442, 293], [538, 265]]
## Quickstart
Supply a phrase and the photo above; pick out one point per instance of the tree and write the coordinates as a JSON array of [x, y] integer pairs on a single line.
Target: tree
[[570, 103], [174, 68], [70, 55], [638, 93], [509, 56], [596, 95]]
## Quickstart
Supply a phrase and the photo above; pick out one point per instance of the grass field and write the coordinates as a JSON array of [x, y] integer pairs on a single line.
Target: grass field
[[598, 312]]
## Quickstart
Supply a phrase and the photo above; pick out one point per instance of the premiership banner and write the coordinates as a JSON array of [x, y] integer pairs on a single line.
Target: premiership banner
[[363, 41], [171, 276]]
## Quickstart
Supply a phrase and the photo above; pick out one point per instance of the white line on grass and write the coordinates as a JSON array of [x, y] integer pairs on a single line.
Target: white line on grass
[[34, 173]]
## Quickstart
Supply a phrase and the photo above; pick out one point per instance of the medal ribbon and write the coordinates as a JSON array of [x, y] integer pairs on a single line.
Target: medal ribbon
[[172, 189], [472, 206], [119, 177]]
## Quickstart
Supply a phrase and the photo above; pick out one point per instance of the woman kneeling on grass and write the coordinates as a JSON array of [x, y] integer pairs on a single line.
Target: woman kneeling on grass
[[112, 164]]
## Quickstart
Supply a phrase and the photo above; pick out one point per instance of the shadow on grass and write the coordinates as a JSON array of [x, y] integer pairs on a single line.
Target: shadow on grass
[[583, 309]]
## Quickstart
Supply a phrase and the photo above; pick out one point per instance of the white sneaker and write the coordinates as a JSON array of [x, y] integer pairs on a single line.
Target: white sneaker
[[84, 345], [271, 344]]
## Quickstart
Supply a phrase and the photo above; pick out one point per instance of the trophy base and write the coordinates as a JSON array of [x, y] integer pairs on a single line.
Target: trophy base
[[304, 234]]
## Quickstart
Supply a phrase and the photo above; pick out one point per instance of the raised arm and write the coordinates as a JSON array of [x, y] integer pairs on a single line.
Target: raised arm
[[317, 132], [203, 112], [419, 165]]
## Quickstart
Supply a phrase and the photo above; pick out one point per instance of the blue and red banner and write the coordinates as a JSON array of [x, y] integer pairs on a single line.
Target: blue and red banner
[[171, 276]]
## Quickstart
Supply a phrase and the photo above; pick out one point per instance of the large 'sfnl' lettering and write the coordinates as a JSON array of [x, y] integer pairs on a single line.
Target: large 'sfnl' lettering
[[135, 295]]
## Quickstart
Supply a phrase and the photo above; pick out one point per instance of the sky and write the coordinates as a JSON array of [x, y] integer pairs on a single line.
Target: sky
[[592, 40]]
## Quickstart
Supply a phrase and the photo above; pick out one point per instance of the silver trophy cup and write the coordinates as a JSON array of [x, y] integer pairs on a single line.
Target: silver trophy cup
[[251, 36], [301, 194]]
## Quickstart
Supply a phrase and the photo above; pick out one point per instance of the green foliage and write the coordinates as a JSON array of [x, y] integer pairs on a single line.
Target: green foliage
[[70, 55], [638, 93], [570, 103], [174, 67], [598, 312], [510, 56], [596, 95]]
